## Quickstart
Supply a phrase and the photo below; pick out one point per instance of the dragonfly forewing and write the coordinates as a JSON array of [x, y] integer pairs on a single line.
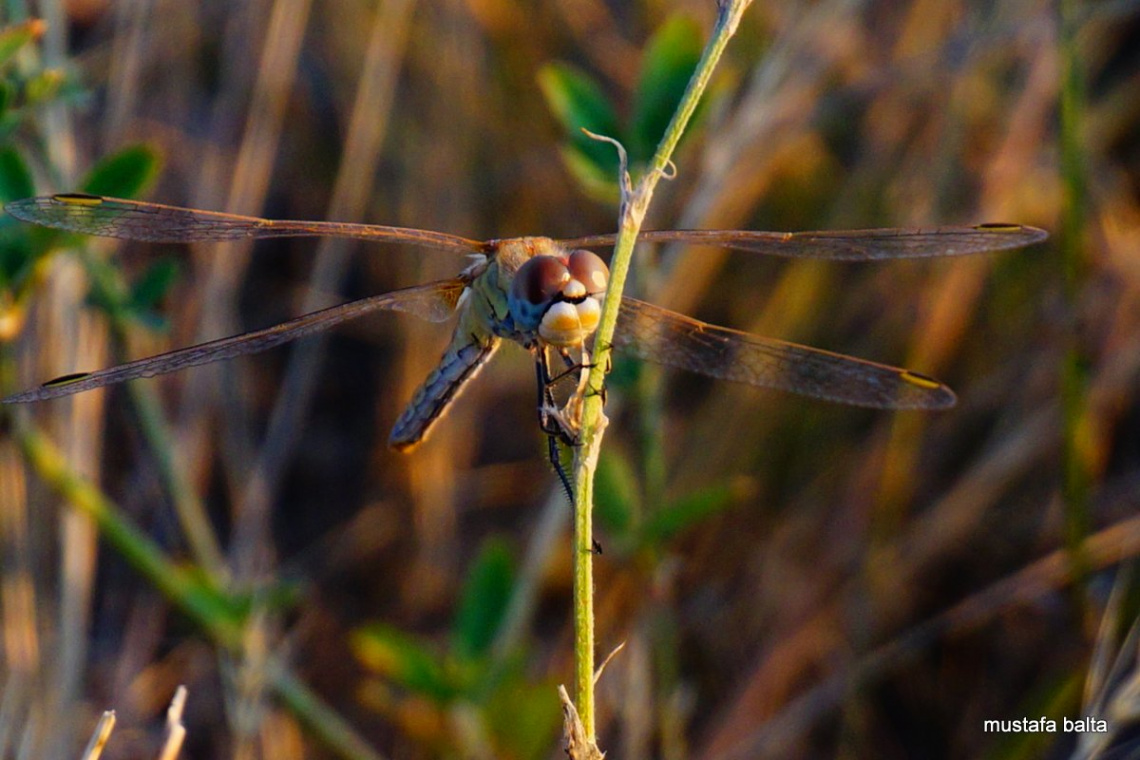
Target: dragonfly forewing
[[434, 302], [156, 223], [666, 337], [845, 245]]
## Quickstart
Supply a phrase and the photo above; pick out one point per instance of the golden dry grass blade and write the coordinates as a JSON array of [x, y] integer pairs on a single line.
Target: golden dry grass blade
[[100, 736]]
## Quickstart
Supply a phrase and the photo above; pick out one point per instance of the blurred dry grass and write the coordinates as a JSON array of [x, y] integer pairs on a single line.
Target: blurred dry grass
[[882, 584]]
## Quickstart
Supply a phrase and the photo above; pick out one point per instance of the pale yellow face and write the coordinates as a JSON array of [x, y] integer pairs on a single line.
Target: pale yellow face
[[570, 324], [558, 296]]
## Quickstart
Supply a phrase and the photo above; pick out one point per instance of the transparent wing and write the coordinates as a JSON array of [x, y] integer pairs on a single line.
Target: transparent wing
[[666, 337], [434, 301], [155, 223], [850, 245]]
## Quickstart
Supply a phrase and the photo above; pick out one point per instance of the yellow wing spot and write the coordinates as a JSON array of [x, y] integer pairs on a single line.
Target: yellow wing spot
[[66, 379], [999, 227], [921, 381], [77, 199]]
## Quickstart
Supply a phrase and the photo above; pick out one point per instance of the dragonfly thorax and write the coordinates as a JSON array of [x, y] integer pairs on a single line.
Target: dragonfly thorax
[[556, 296]]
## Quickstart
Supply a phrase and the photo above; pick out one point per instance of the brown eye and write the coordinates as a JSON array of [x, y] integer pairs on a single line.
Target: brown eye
[[536, 285], [539, 280], [587, 268]]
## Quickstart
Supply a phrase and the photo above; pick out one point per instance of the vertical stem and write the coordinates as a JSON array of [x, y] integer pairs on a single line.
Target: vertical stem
[[1079, 455], [584, 604], [635, 203]]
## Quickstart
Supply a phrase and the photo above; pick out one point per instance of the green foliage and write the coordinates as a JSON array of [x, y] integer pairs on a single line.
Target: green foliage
[[685, 513], [635, 526], [24, 84], [147, 292], [579, 102], [44, 86], [484, 601], [522, 717], [402, 659], [668, 64], [20, 247], [616, 494], [14, 38], [125, 174], [518, 714], [15, 178], [17, 252]]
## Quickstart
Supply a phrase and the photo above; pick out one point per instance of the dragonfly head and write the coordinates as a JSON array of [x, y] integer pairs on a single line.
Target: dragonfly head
[[558, 296]]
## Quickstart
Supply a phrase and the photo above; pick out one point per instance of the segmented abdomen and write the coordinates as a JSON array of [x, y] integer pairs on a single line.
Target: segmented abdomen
[[457, 366]]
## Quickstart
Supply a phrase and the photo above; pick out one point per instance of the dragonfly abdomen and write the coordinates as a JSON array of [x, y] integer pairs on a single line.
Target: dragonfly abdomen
[[438, 391]]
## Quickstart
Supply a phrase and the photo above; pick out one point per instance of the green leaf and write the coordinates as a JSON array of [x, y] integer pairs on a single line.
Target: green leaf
[[6, 95], [523, 718], [16, 259], [151, 321], [43, 86], [626, 374], [484, 600], [402, 659], [670, 59], [9, 121], [687, 511], [216, 608], [577, 101], [154, 284], [15, 178], [598, 181], [615, 493], [13, 38], [124, 174]]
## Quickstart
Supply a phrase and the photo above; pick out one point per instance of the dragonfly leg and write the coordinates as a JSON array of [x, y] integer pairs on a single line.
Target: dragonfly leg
[[572, 365], [552, 421], [552, 418], [584, 387], [556, 460]]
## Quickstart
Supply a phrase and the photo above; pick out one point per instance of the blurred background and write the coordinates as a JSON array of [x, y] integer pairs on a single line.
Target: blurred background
[[790, 578]]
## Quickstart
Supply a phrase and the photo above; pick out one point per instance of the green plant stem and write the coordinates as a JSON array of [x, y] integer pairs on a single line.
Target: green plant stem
[[635, 203], [189, 591], [191, 512], [1078, 457], [322, 720], [109, 289], [174, 582]]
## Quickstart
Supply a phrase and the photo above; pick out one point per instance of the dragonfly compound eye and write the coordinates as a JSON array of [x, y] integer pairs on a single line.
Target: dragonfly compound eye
[[540, 280], [587, 268], [537, 284]]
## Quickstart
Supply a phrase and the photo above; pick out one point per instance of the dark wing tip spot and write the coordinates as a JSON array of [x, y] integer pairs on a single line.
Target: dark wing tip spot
[[934, 395], [79, 199], [74, 377], [1024, 231]]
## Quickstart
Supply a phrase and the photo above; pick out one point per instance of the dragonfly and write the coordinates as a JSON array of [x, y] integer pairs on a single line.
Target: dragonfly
[[541, 293]]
